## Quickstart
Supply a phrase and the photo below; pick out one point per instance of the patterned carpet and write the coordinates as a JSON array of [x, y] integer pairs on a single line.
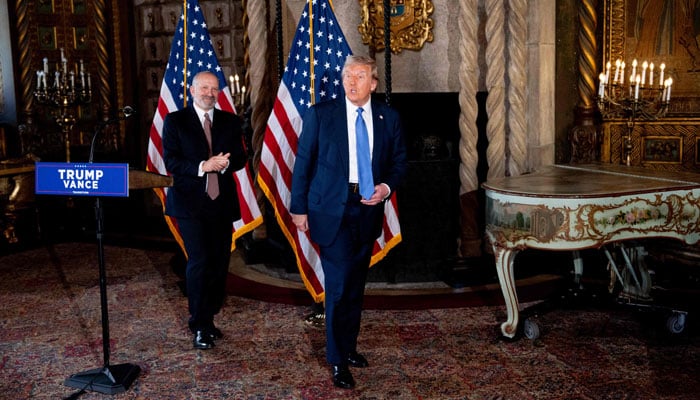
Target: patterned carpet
[[50, 328]]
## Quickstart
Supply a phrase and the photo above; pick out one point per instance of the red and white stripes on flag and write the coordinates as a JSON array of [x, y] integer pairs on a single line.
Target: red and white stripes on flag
[[191, 51], [312, 75]]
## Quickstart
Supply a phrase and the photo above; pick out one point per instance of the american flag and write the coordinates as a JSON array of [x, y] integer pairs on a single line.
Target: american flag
[[312, 75], [191, 52]]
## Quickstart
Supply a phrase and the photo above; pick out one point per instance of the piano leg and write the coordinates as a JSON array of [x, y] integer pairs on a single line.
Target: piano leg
[[504, 267]]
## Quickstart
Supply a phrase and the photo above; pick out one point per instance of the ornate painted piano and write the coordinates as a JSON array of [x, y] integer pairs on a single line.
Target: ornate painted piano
[[575, 207], [16, 193]]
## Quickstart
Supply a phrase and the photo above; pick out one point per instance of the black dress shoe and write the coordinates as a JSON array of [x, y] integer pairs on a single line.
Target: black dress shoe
[[342, 377], [357, 360], [202, 340], [215, 333]]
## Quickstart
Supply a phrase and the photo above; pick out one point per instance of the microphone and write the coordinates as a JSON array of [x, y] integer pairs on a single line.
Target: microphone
[[128, 111], [123, 113]]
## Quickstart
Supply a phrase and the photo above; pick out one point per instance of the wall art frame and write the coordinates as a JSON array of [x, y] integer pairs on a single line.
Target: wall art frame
[[662, 149]]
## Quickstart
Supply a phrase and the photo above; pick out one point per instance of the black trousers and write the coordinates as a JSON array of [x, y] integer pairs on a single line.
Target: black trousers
[[207, 241]]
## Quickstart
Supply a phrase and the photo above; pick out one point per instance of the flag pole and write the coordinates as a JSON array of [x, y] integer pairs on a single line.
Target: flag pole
[[184, 53]]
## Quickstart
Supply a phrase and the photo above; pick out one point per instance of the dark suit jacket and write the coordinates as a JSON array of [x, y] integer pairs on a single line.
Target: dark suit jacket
[[320, 178], [185, 146]]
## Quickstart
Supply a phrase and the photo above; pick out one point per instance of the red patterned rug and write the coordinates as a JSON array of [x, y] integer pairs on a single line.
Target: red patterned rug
[[50, 328]]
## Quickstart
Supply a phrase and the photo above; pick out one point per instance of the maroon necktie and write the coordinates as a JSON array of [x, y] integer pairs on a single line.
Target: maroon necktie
[[212, 177]]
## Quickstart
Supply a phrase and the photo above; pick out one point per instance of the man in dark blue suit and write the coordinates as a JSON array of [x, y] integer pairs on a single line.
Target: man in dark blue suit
[[340, 199], [202, 147]]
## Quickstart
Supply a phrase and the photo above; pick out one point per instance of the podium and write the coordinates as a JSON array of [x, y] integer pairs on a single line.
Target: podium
[[98, 180], [148, 180]]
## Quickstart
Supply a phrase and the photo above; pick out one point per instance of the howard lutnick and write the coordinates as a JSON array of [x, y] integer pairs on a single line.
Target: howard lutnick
[[80, 178]]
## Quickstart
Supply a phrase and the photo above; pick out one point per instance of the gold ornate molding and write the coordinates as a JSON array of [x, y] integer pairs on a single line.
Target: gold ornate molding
[[410, 24], [614, 38]]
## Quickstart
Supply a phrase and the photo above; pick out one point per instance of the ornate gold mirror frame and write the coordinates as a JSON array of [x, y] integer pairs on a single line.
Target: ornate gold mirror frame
[[410, 24], [658, 31]]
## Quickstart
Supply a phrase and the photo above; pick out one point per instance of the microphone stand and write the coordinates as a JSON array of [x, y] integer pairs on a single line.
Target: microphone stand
[[109, 379]]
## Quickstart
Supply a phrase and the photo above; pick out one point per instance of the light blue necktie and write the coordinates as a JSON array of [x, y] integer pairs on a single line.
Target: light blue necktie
[[364, 165]]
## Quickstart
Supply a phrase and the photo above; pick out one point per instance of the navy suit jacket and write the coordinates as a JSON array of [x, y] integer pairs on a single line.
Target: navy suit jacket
[[321, 170], [185, 147]]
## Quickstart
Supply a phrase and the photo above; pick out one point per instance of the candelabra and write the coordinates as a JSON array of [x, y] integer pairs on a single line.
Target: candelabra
[[64, 93], [638, 99], [238, 93]]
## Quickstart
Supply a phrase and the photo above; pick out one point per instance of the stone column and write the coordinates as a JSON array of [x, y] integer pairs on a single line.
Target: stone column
[[470, 236], [584, 135], [516, 123], [540, 82], [495, 86]]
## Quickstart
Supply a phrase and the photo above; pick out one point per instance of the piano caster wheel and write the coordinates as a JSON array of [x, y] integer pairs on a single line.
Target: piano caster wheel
[[676, 322], [530, 329]]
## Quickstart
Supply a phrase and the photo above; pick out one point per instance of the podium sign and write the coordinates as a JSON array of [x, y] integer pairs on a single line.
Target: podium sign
[[82, 179]]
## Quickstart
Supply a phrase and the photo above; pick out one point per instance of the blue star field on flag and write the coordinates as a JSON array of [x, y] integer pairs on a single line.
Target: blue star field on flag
[[197, 55], [323, 68]]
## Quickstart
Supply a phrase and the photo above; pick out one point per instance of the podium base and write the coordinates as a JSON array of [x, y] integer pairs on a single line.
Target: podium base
[[109, 380]]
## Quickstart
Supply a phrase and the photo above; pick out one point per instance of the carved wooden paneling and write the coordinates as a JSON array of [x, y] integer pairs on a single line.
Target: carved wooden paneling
[[681, 135], [218, 15], [170, 16], [155, 28]]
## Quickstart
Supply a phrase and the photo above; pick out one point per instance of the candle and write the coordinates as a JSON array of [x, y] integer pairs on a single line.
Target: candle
[[243, 94], [617, 70], [82, 80], [668, 91], [46, 65], [38, 80], [651, 75], [63, 57], [645, 65], [622, 73], [72, 80], [636, 88], [601, 85], [43, 79], [661, 74], [634, 70], [82, 67], [607, 72], [663, 92], [238, 88], [89, 86], [57, 82]]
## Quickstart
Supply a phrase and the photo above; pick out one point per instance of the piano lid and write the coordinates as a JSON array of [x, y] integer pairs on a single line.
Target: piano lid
[[592, 180]]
